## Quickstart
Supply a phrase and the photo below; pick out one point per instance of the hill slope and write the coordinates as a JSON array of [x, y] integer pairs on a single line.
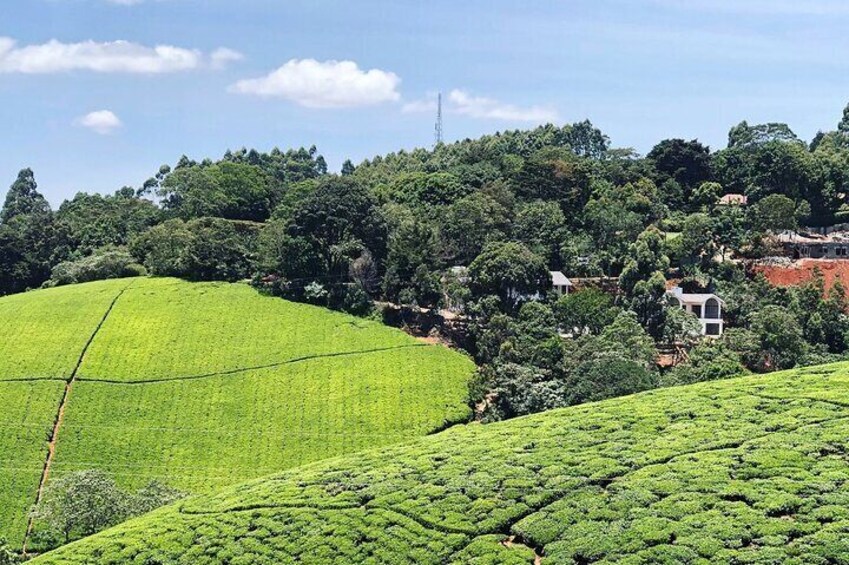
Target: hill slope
[[752, 470], [201, 385]]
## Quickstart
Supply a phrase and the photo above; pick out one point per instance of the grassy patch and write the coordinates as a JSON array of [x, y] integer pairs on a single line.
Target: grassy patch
[[164, 328], [44, 332], [204, 433], [752, 470], [27, 412], [203, 385]]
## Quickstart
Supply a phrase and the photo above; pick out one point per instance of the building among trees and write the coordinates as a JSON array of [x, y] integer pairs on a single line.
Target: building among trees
[[706, 307]]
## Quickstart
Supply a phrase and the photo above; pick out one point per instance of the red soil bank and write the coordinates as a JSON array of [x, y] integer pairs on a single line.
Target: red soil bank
[[803, 270]]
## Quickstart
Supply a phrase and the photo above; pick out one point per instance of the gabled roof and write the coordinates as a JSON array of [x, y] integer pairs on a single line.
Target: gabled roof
[[700, 298], [559, 279]]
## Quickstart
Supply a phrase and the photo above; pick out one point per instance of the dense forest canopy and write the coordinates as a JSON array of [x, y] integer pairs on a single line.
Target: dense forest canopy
[[476, 225]]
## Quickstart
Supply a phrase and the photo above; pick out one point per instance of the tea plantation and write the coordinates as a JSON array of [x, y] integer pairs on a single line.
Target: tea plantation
[[752, 470], [201, 386]]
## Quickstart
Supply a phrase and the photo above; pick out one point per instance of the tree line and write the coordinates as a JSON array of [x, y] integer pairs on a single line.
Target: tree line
[[475, 226]]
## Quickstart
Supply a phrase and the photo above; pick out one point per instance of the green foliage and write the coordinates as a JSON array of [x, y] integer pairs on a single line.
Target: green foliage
[[201, 385], [540, 226], [776, 212], [750, 470], [23, 198], [103, 264], [236, 191], [7, 555], [94, 221], [510, 271], [688, 163], [203, 249], [780, 337], [83, 503], [586, 311], [710, 360], [327, 230], [472, 222]]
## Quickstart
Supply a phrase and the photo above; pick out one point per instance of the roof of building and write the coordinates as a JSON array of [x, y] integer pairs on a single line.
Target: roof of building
[[559, 279], [812, 238], [700, 298], [734, 198]]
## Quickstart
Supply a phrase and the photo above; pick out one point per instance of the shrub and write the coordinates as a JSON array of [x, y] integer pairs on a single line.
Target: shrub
[[106, 263]]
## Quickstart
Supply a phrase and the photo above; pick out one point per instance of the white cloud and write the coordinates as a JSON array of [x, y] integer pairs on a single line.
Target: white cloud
[[461, 102], [110, 57], [103, 122], [222, 56], [328, 84], [418, 106]]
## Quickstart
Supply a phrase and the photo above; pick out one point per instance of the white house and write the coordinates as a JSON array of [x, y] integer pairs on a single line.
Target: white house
[[706, 307], [560, 283]]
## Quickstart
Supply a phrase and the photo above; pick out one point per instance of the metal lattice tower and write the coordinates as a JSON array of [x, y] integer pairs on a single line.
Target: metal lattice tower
[[438, 127]]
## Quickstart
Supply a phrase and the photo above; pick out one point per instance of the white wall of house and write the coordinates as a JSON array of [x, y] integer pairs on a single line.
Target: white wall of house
[[706, 307]]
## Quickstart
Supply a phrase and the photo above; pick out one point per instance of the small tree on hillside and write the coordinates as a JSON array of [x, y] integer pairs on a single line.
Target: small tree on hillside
[[7, 555], [81, 503]]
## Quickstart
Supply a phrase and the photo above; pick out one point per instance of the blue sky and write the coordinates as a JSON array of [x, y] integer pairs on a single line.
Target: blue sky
[[357, 78]]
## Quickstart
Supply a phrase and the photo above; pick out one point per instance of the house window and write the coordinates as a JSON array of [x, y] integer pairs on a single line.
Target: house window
[[712, 309], [697, 310], [712, 329]]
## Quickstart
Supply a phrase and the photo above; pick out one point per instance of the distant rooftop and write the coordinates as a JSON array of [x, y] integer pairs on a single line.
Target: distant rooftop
[[559, 279], [734, 199]]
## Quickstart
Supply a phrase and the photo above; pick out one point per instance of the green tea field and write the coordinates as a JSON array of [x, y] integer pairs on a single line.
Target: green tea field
[[201, 386], [751, 470]]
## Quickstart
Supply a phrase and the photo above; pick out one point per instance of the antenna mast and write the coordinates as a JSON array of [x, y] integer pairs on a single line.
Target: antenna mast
[[438, 127]]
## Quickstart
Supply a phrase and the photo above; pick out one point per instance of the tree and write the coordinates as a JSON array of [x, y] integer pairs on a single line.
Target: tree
[[710, 360], [706, 195], [541, 226], [331, 227], [348, 168], [645, 258], [775, 213], [202, 249], [780, 337], [23, 198], [585, 311], [94, 221], [696, 243], [510, 271], [743, 135], [31, 241], [7, 555], [523, 389], [86, 502], [688, 163], [680, 326], [469, 224], [607, 377], [105, 263], [232, 190], [81, 503], [152, 496]]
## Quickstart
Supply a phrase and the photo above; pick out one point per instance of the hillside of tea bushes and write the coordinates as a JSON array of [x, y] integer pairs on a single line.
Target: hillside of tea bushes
[[751, 470], [201, 386]]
